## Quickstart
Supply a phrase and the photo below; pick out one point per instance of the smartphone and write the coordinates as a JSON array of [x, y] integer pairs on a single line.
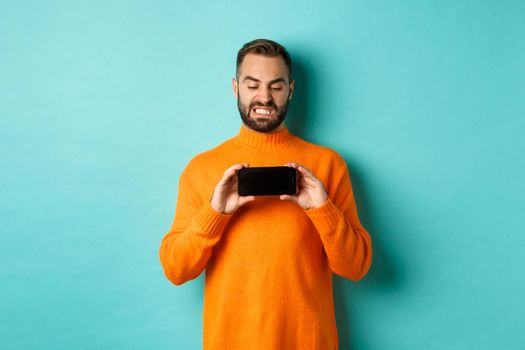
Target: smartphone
[[266, 181]]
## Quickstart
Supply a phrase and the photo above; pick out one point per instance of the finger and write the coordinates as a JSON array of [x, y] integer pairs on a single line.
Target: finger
[[292, 165], [298, 175], [286, 197], [233, 169], [245, 199], [307, 173], [228, 173], [303, 170]]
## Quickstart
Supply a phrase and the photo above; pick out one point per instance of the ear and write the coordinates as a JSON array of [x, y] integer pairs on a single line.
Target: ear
[[291, 87], [235, 87]]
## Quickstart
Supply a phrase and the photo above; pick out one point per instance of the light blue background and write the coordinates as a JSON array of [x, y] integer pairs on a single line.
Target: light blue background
[[102, 104]]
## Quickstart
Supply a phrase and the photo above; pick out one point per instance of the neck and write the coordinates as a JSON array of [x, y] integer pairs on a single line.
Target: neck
[[264, 140], [279, 128]]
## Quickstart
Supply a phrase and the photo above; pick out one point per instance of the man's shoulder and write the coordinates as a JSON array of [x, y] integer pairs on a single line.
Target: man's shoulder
[[320, 151], [208, 156]]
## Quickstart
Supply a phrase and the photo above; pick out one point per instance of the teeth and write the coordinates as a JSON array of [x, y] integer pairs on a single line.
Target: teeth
[[262, 111]]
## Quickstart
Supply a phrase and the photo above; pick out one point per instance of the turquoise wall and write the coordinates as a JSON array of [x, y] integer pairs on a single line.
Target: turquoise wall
[[102, 104]]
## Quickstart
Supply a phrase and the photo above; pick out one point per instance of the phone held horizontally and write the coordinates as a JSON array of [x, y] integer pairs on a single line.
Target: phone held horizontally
[[266, 181]]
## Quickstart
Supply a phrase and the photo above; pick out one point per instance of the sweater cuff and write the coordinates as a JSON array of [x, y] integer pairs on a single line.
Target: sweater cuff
[[211, 223], [326, 217]]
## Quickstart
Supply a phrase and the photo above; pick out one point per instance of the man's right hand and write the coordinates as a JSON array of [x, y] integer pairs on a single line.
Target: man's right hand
[[225, 198]]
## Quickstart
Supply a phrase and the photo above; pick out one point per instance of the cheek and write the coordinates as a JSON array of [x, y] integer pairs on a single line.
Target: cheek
[[247, 96], [281, 99], [244, 97]]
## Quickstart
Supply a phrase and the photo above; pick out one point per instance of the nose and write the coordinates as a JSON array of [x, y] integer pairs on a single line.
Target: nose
[[265, 95]]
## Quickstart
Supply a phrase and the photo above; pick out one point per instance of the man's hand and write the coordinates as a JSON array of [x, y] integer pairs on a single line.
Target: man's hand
[[311, 192], [225, 199]]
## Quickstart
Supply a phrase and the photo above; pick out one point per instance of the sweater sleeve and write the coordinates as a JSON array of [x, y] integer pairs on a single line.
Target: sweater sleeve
[[347, 244], [196, 228]]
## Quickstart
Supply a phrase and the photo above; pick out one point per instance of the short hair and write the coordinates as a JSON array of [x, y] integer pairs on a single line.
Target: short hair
[[264, 47]]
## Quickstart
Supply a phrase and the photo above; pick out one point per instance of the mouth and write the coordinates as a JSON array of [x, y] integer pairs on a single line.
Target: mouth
[[263, 111]]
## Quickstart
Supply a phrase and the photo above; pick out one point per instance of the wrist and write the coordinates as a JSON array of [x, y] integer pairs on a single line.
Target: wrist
[[217, 209], [318, 203]]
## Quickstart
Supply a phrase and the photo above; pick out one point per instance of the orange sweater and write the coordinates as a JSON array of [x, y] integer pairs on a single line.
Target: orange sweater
[[268, 282]]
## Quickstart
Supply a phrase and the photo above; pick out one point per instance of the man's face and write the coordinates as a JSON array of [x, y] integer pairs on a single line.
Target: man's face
[[263, 92]]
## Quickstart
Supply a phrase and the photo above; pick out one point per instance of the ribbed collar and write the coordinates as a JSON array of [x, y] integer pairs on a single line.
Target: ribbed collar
[[261, 140]]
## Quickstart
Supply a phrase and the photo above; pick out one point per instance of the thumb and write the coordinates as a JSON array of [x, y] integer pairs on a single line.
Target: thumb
[[243, 200]]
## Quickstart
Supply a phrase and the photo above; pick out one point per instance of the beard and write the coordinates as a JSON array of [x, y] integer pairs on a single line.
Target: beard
[[262, 124]]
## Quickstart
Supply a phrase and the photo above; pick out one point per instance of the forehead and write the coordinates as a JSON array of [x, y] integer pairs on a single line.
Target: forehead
[[263, 68]]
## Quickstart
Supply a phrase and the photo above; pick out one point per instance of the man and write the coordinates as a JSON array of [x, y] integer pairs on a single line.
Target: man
[[268, 259]]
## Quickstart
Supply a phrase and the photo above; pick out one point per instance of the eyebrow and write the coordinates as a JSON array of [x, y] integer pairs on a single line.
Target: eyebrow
[[278, 80]]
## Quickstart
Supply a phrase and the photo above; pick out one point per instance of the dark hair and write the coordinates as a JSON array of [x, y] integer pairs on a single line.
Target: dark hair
[[264, 47]]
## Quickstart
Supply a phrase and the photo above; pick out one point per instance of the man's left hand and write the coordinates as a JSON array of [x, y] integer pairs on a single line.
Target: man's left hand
[[310, 190]]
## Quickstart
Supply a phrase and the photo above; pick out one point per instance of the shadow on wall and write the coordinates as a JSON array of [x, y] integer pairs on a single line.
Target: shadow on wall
[[383, 275], [301, 104]]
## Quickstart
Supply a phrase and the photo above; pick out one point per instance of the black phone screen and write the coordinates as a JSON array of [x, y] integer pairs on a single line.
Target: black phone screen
[[266, 181]]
